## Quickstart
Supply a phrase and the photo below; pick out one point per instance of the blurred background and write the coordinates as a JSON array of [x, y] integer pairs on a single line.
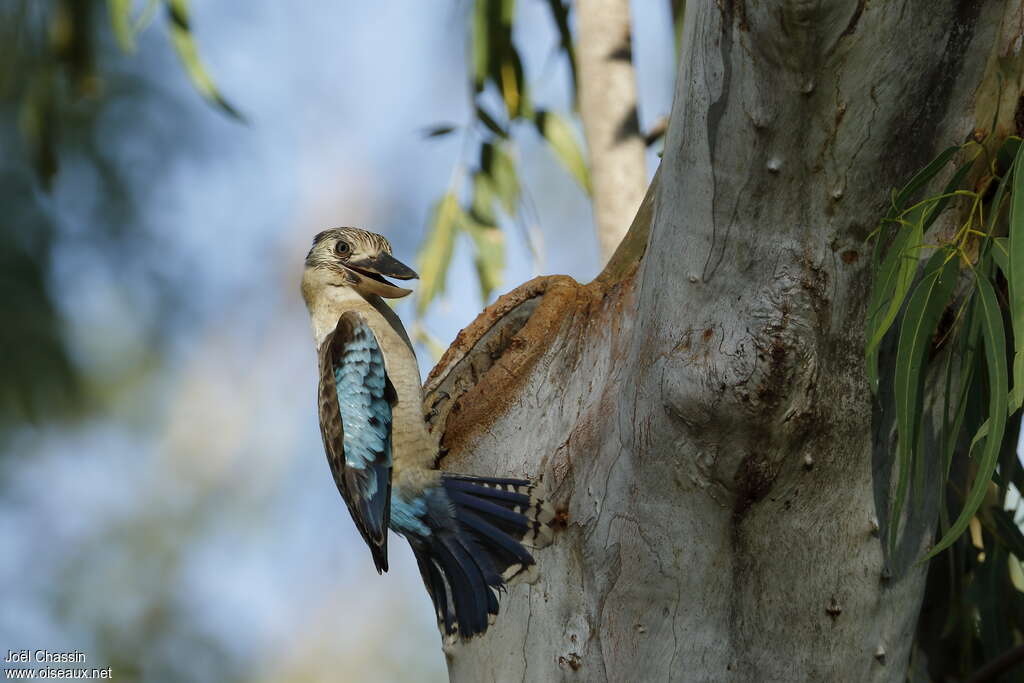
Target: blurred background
[[165, 502]]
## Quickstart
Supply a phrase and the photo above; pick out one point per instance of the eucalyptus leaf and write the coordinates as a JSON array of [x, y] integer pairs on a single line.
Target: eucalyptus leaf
[[889, 289], [562, 140], [439, 130], [188, 53], [498, 166], [489, 257], [511, 81], [922, 177], [121, 22], [560, 15], [966, 358], [481, 44], [490, 122], [936, 207], [436, 254], [1015, 277], [994, 336], [484, 196], [924, 309]]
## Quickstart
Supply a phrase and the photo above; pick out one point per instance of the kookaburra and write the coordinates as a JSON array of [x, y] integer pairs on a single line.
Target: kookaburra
[[467, 533]]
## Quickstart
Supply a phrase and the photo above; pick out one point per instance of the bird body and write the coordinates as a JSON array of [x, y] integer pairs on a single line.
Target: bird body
[[413, 449], [467, 533]]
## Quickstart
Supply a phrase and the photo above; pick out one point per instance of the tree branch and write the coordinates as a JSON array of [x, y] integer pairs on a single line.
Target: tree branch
[[608, 107]]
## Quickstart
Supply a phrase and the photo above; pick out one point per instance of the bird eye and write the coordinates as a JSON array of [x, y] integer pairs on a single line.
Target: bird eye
[[342, 248]]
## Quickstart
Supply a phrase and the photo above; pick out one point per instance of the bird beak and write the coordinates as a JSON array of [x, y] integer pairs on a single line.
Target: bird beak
[[384, 264], [372, 270]]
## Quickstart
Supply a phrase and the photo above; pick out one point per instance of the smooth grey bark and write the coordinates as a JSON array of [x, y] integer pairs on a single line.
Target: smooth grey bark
[[608, 108], [700, 413]]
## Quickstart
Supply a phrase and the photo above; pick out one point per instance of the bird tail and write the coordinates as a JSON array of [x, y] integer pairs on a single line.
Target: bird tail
[[480, 548]]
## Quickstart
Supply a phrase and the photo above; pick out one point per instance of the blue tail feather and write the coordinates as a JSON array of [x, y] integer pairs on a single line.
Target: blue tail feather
[[468, 539], [516, 520], [510, 497]]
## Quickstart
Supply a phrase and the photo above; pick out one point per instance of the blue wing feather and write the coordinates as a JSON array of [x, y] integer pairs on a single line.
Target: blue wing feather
[[355, 418]]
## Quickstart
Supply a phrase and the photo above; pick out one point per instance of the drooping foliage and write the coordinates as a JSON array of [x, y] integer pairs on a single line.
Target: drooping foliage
[[66, 74], [488, 185], [949, 303]]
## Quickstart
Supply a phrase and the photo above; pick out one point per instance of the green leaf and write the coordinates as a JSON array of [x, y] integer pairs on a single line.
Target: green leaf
[[498, 165], [894, 275], [489, 121], [121, 22], [489, 258], [508, 12], [937, 206], [512, 82], [922, 177], [439, 130], [889, 288], [951, 434], [1001, 255], [560, 15], [480, 40], [1006, 153], [484, 196], [994, 335], [924, 308], [562, 139], [188, 53], [1015, 276], [436, 253]]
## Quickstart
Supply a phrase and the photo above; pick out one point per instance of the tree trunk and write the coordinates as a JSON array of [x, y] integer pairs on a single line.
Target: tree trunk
[[608, 107], [700, 413]]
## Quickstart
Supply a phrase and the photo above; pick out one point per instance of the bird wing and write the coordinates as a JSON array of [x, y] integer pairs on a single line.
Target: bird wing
[[355, 422]]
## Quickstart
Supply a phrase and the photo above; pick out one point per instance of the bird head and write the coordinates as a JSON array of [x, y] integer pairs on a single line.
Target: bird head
[[358, 259]]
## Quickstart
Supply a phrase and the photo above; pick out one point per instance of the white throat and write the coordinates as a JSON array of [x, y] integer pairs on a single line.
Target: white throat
[[328, 306]]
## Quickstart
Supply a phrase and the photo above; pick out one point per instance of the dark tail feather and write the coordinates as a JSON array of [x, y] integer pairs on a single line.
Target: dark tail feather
[[516, 495], [436, 586], [479, 548]]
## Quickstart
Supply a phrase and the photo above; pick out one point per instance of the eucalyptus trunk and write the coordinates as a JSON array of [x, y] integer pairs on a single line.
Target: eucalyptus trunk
[[608, 109], [700, 412]]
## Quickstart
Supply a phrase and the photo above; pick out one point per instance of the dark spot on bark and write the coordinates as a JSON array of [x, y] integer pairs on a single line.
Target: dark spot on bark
[[561, 519], [833, 609], [708, 333], [931, 93], [775, 380], [753, 480], [850, 256], [942, 331], [734, 9], [572, 660], [629, 127], [840, 113], [623, 52], [851, 27]]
